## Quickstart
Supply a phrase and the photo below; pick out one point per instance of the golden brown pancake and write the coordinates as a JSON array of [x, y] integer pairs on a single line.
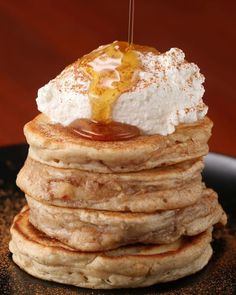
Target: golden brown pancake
[[132, 266], [163, 188], [95, 230], [59, 146]]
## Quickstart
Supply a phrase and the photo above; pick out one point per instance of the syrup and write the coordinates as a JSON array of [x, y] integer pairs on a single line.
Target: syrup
[[131, 22], [112, 131], [112, 70]]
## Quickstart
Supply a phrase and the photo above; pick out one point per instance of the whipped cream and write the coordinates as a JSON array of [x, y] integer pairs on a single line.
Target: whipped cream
[[168, 92]]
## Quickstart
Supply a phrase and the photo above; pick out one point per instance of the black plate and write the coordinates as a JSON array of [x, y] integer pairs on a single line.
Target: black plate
[[218, 277]]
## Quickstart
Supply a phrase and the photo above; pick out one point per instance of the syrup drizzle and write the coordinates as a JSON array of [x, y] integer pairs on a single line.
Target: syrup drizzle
[[131, 22], [112, 70]]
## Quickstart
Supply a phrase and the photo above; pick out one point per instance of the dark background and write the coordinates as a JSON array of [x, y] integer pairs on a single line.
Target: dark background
[[39, 38]]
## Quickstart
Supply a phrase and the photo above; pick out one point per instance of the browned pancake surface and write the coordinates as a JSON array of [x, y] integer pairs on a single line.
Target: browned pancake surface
[[61, 147]]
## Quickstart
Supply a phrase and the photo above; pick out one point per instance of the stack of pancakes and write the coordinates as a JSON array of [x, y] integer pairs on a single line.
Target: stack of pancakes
[[114, 214]]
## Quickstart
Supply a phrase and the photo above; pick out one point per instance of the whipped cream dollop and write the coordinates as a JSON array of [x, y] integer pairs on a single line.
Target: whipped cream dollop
[[168, 92]]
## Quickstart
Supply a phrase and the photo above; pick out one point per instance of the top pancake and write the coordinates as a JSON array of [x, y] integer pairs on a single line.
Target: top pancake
[[58, 146]]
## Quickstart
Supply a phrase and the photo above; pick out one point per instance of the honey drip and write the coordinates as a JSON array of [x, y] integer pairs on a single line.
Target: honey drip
[[112, 70]]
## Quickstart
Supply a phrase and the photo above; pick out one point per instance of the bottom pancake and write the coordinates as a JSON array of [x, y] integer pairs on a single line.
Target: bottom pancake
[[125, 267]]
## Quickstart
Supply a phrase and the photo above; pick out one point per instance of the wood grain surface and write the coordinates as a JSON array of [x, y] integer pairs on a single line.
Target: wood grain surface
[[39, 38]]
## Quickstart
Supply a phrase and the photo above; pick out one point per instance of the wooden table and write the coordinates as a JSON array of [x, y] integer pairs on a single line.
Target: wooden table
[[39, 38]]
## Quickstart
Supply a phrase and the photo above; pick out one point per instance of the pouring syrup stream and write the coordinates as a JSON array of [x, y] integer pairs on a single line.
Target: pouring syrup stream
[[131, 23]]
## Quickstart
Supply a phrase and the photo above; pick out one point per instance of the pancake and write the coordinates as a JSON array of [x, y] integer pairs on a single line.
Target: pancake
[[132, 266], [93, 230], [162, 188], [58, 146]]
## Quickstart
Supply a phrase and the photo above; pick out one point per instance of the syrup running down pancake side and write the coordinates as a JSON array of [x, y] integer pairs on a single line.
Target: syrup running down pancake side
[[113, 69]]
